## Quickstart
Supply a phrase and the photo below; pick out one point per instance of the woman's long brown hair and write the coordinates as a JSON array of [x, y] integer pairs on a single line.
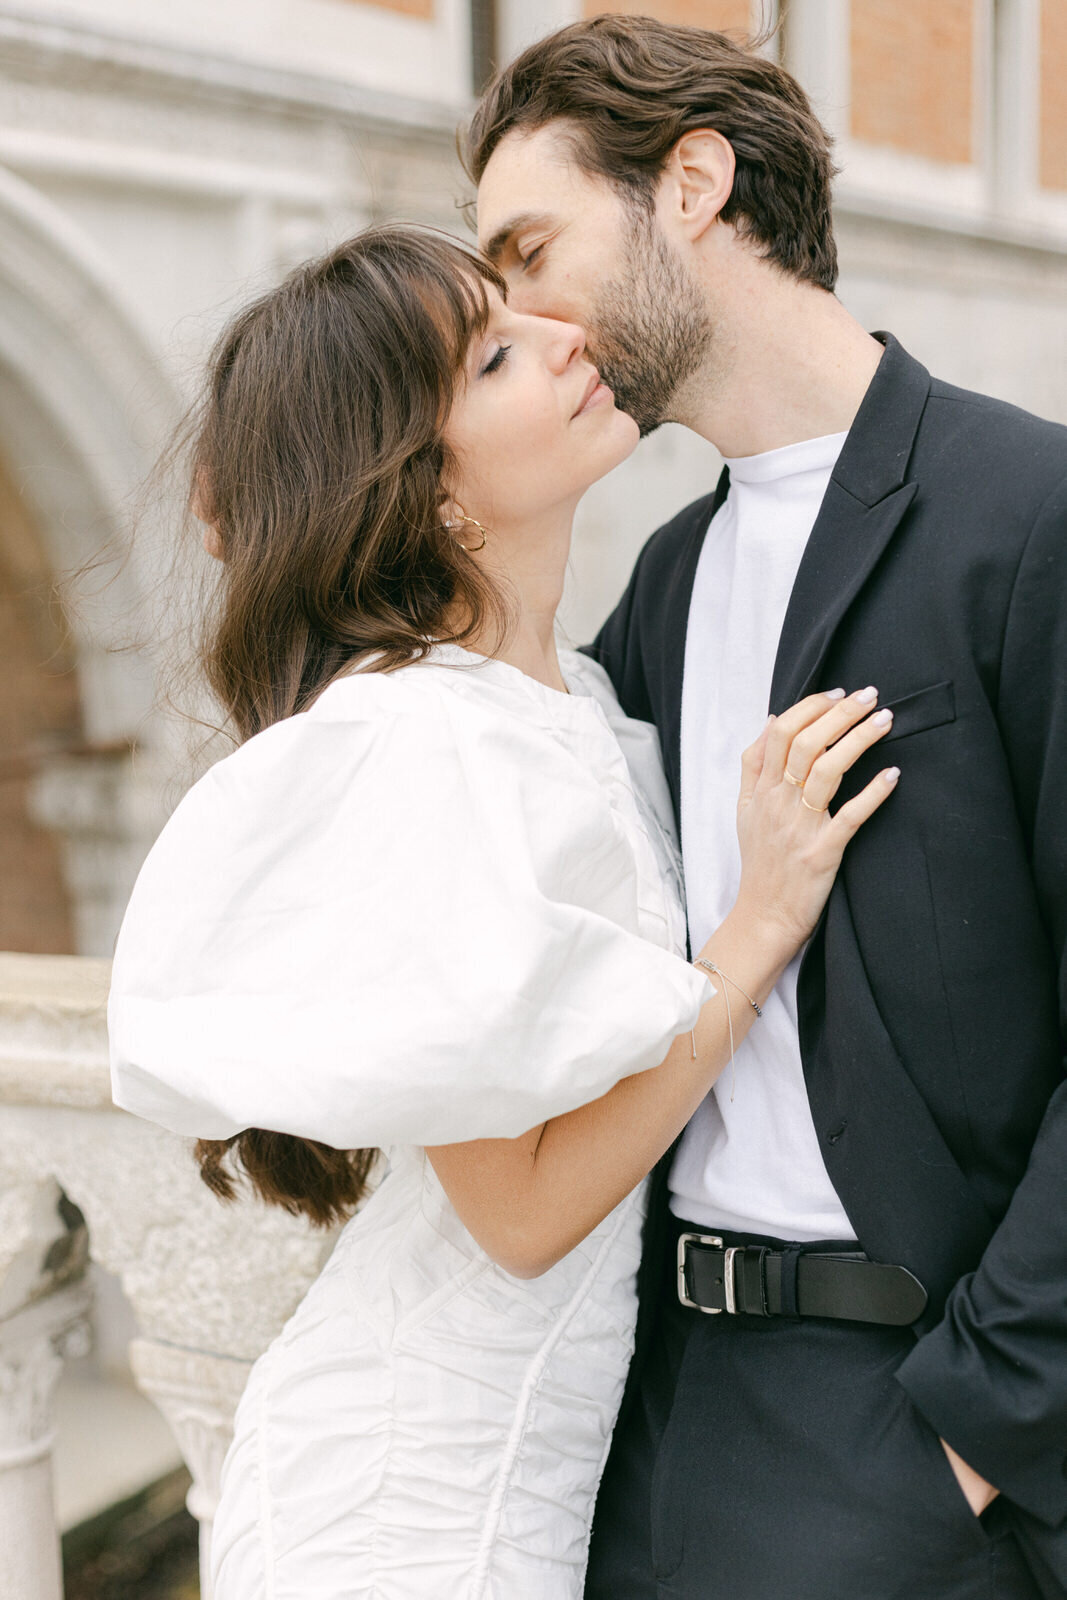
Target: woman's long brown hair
[[319, 460]]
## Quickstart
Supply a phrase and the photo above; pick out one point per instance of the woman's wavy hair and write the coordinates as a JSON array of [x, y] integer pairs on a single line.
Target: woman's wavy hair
[[319, 462]]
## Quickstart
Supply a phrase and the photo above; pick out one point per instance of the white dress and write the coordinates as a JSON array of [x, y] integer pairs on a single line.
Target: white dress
[[440, 905]]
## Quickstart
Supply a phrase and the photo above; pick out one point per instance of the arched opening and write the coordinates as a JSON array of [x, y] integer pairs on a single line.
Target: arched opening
[[40, 714], [85, 402]]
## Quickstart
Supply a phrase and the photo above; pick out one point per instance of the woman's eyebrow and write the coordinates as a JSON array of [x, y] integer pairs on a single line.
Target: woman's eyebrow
[[499, 241]]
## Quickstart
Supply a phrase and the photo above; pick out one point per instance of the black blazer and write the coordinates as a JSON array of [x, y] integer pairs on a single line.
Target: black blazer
[[932, 997]]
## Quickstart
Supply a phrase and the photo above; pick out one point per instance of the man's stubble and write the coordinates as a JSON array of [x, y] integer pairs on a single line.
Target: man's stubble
[[649, 332]]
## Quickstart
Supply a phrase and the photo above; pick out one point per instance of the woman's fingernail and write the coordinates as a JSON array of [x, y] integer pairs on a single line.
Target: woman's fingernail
[[867, 697], [881, 719], [835, 694], [891, 775]]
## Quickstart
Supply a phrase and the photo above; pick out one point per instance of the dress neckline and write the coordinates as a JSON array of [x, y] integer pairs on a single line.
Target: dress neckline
[[449, 654]]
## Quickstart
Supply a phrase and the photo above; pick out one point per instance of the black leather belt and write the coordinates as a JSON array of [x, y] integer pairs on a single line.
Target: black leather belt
[[754, 1281]]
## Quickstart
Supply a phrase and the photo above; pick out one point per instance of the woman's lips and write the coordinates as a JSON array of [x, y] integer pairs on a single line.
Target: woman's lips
[[596, 392]]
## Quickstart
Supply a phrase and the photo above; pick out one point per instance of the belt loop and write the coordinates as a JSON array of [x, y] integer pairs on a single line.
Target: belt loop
[[790, 1258], [752, 1282]]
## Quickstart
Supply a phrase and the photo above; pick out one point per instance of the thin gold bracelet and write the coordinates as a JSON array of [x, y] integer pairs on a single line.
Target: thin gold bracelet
[[709, 966]]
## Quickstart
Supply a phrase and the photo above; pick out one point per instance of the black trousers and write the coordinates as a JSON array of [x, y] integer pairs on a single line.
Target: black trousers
[[774, 1459]]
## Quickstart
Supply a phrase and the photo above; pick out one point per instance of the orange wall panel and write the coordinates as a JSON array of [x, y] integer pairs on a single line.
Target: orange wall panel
[[913, 76], [734, 16], [1053, 125], [39, 710], [410, 8]]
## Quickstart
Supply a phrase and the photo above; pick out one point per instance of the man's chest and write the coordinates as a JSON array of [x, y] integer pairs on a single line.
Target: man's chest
[[740, 595]]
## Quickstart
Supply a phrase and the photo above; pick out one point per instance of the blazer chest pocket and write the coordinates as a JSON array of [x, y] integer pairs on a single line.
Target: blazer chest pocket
[[925, 708]]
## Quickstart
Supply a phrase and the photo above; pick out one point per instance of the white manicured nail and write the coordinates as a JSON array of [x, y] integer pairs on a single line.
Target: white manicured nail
[[867, 697], [835, 694], [892, 775], [881, 719]]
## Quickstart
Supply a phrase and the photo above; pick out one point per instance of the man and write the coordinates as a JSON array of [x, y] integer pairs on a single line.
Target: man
[[877, 1198]]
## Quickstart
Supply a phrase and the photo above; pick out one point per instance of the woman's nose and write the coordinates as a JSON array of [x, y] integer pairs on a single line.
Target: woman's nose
[[566, 344]]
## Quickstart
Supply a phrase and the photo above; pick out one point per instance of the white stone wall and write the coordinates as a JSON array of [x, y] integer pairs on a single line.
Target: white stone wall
[[374, 46]]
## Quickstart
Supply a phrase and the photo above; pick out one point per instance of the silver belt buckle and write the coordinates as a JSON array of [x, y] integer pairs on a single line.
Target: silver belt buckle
[[729, 1283], [716, 1242]]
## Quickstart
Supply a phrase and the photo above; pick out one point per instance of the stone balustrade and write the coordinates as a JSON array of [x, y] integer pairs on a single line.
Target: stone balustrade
[[210, 1284]]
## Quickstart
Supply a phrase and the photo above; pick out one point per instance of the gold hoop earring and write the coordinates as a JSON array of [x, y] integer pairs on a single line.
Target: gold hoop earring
[[472, 549]]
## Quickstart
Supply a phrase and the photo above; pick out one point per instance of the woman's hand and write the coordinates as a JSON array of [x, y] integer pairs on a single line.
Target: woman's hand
[[791, 846]]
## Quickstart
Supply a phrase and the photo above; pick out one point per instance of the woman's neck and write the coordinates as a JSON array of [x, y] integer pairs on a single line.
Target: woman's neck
[[529, 562], [533, 652]]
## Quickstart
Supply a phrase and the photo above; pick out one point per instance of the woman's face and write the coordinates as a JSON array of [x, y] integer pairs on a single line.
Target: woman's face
[[532, 426]]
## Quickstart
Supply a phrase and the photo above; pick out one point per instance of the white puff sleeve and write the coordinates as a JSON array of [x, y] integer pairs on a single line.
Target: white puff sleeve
[[400, 918]]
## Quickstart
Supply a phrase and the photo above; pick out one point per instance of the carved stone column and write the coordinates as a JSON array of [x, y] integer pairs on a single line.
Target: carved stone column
[[100, 804], [197, 1394], [33, 1344], [44, 1302]]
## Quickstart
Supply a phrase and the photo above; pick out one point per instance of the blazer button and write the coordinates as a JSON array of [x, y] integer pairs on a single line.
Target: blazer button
[[835, 1133]]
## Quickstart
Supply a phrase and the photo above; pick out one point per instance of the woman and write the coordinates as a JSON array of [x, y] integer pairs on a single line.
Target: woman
[[429, 905]]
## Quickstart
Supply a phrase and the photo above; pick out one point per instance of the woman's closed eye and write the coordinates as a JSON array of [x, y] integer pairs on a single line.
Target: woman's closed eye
[[528, 260], [495, 363]]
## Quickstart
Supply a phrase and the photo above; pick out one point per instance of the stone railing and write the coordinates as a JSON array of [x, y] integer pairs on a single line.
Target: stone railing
[[210, 1284]]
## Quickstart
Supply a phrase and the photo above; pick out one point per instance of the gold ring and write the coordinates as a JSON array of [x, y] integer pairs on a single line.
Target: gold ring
[[798, 783], [819, 810]]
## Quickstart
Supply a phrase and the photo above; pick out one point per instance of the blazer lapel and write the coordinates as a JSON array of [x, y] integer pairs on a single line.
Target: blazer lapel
[[866, 498]]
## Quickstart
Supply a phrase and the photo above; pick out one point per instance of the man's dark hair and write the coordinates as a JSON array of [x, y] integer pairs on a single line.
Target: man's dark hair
[[630, 87]]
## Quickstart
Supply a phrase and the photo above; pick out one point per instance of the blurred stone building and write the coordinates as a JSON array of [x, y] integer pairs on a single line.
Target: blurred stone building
[[161, 159]]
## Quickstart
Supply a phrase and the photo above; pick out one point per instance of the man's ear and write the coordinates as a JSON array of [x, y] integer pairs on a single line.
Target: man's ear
[[699, 176]]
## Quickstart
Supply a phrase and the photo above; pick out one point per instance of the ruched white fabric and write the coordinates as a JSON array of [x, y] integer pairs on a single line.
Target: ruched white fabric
[[438, 906], [409, 915]]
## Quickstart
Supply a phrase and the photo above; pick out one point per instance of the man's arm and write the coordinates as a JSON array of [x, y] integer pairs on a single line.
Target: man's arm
[[992, 1376], [632, 643], [616, 648]]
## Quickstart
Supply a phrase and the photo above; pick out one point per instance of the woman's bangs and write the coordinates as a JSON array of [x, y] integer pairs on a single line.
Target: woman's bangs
[[453, 287]]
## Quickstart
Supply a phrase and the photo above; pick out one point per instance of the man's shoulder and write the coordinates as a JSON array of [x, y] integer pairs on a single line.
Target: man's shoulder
[[663, 548], [992, 440], [656, 596]]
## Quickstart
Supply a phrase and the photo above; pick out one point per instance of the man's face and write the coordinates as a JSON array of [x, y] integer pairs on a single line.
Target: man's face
[[571, 247]]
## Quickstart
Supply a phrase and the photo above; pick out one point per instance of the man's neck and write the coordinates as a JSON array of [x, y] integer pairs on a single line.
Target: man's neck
[[787, 363]]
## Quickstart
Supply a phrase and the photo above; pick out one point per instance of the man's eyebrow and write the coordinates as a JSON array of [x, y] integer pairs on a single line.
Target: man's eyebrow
[[503, 235]]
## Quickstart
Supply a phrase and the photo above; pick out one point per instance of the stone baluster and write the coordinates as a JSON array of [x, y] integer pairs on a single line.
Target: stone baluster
[[33, 1344], [210, 1284], [197, 1394], [44, 1306]]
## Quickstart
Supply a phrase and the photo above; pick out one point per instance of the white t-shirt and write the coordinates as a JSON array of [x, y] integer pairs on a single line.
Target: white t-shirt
[[749, 1160]]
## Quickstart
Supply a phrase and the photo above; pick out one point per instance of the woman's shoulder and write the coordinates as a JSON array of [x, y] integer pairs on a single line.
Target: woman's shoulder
[[418, 743], [588, 677], [424, 712]]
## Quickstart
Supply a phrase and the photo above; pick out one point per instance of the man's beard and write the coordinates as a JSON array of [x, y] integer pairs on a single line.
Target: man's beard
[[649, 331]]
